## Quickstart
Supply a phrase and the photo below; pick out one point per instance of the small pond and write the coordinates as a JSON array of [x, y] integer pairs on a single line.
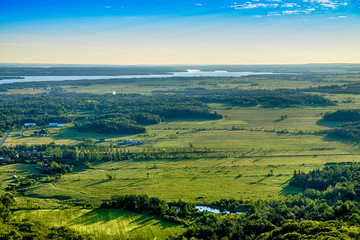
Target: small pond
[[214, 210]]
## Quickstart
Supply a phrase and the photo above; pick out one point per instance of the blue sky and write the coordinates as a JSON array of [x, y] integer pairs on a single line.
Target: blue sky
[[179, 32]]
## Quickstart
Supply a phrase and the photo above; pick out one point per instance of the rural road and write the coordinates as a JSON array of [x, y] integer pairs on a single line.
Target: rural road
[[7, 134]]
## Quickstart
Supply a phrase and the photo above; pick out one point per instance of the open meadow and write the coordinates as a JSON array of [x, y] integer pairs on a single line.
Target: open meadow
[[250, 153], [105, 223]]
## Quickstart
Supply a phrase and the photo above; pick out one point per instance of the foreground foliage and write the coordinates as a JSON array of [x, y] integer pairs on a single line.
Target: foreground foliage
[[28, 229], [330, 214]]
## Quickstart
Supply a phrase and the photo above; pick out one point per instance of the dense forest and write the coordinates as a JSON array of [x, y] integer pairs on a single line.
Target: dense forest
[[101, 113], [343, 115], [350, 88], [265, 98], [350, 129]]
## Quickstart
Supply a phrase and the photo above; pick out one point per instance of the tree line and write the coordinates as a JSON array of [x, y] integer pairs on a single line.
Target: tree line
[[123, 113], [350, 129], [259, 97]]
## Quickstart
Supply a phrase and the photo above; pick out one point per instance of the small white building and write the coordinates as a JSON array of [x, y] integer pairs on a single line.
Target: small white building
[[128, 142], [55, 125], [29, 124]]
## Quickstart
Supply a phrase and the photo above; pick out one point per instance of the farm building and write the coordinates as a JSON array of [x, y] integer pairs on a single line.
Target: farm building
[[29, 124], [55, 125]]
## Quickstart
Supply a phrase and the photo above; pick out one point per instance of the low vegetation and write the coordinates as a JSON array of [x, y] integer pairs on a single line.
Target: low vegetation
[[277, 162]]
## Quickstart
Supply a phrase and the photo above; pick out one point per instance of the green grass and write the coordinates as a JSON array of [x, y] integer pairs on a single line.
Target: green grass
[[253, 152], [105, 223]]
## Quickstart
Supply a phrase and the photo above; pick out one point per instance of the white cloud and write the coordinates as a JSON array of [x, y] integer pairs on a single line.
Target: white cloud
[[338, 17], [249, 5], [328, 3], [107, 7], [289, 5], [308, 10], [273, 14], [198, 4], [290, 12]]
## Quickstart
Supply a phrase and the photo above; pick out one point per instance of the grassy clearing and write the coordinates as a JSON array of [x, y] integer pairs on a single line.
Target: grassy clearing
[[105, 223], [253, 155], [199, 180], [259, 163]]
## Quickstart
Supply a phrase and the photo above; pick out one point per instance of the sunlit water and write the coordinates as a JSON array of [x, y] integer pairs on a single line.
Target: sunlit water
[[213, 210]]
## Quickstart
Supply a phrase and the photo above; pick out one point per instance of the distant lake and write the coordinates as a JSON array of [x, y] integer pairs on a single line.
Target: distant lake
[[188, 73]]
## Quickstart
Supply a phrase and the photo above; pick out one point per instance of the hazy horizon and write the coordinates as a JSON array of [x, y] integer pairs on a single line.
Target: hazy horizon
[[161, 32]]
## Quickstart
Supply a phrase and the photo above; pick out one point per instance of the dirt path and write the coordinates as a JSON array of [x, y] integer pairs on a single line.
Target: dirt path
[[7, 134]]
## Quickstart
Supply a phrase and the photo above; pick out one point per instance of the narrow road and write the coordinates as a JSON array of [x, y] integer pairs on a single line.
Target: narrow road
[[7, 134]]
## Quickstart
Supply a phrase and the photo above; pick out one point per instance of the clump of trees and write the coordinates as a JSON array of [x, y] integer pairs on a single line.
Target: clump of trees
[[343, 115], [106, 113], [248, 98], [350, 129], [112, 126], [170, 211]]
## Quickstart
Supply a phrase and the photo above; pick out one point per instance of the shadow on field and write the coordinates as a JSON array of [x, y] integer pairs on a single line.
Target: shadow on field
[[342, 140], [328, 124], [141, 221], [97, 216], [93, 184], [290, 190], [133, 183], [102, 216]]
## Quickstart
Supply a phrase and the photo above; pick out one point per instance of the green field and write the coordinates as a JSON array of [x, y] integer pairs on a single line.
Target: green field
[[253, 150], [105, 223], [261, 151]]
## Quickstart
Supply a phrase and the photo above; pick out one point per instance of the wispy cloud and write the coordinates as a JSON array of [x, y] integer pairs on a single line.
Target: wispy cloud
[[249, 5], [338, 17], [289, 5], [327, 3], [290, 12]]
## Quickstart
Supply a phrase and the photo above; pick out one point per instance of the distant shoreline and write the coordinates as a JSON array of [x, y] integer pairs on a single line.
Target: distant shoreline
[[189, 73]]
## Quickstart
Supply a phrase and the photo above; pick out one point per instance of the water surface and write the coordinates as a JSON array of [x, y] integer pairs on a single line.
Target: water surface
[[188, 73]]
